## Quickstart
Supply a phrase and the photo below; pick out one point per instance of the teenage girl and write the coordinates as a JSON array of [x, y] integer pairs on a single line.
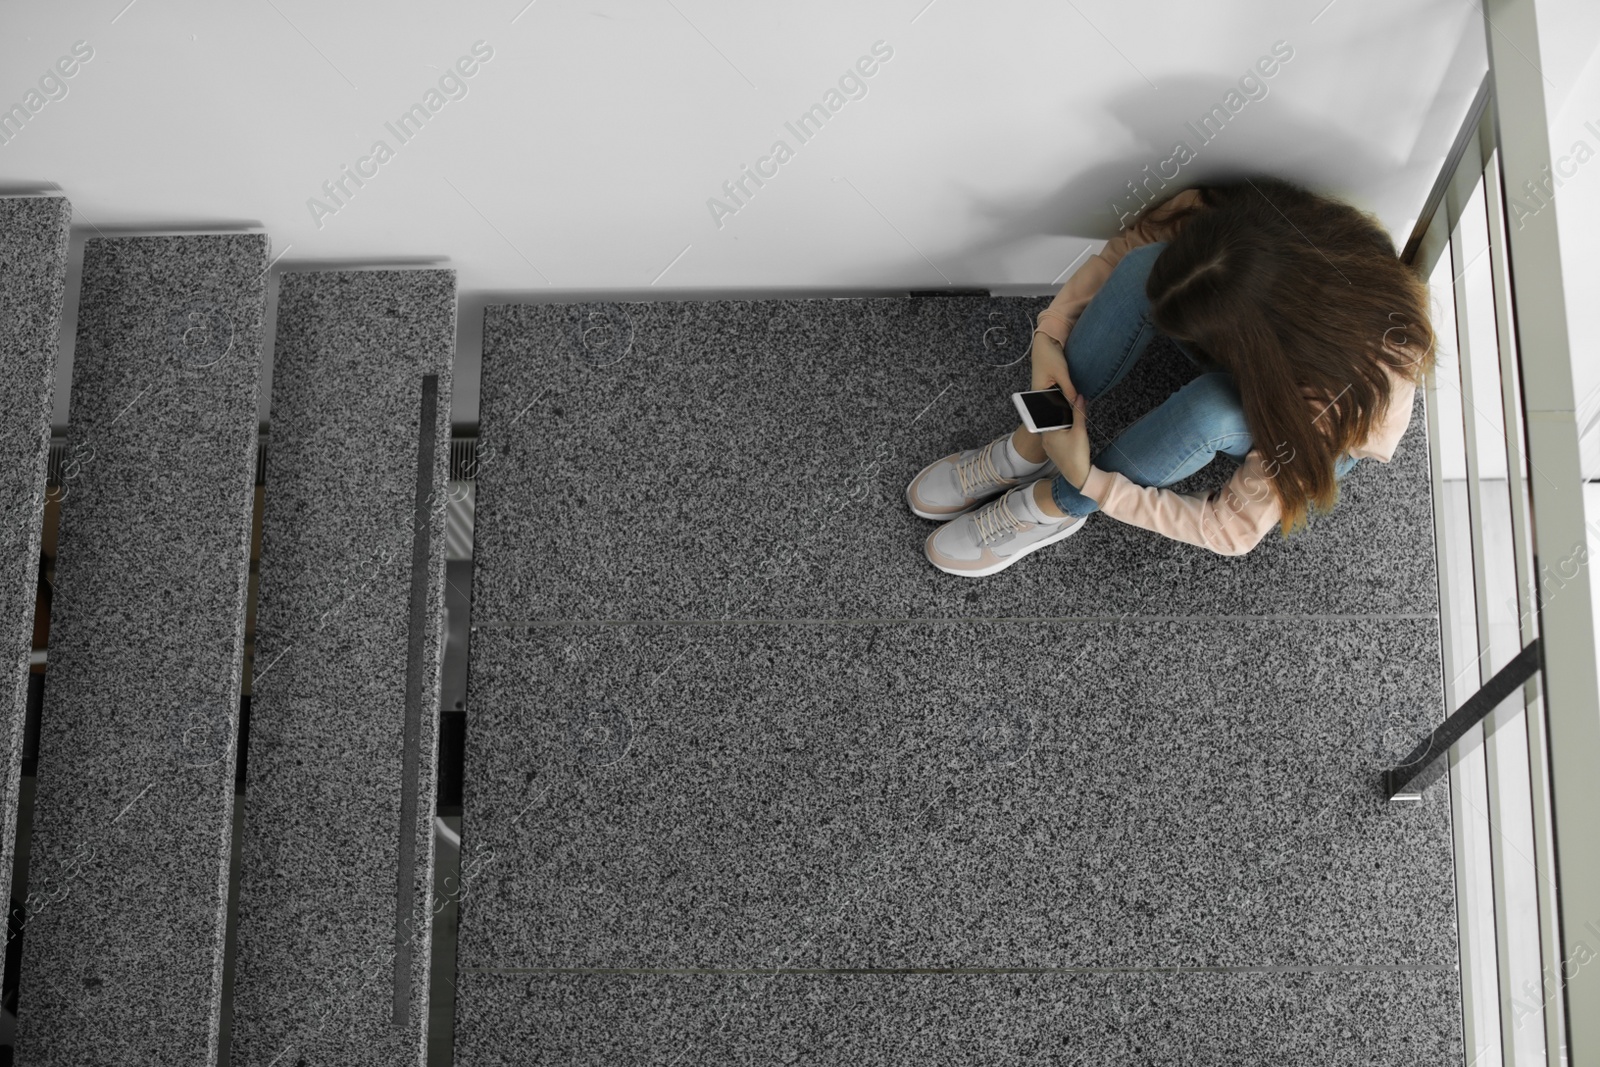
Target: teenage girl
[[1311, 337]]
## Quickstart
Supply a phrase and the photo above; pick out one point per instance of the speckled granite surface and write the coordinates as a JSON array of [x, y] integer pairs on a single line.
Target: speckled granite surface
[[723, 715], [1144, 794], [749, 460], [122, 962], [1192, 1020], [317, 899], [33, 266]]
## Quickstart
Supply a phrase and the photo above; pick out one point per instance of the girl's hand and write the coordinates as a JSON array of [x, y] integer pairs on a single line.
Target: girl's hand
[[1050, 365], [1070, 448]]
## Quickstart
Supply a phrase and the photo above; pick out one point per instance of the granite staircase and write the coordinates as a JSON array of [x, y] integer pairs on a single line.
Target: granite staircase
[[743, 780]]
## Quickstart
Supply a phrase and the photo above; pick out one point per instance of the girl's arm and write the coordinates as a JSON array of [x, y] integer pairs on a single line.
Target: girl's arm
[[1229, 521]]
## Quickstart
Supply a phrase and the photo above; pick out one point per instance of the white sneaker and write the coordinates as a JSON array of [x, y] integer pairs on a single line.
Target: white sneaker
[[993, 538], [960, 482]]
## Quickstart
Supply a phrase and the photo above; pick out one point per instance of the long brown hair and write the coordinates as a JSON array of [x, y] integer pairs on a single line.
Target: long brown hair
[[1292, 291]]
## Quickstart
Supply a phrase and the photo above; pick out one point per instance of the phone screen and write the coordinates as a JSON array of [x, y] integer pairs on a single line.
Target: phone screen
[[1049, 408]]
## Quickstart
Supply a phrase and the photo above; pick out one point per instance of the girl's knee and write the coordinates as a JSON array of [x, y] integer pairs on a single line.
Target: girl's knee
[[1212, 400], [1141, 258], [1214, 391]]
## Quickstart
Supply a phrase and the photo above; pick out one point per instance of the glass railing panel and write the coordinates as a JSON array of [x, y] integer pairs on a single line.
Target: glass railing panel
[[1506, 749], [1469, 791]]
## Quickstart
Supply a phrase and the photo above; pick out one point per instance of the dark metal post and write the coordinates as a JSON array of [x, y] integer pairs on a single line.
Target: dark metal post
[[1427, 762]]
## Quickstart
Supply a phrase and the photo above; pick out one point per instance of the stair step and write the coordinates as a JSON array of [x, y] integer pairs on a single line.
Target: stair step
[[943, 1020], [33, 270], [337, 853], [809, 418], [959, 794], [122, 960]]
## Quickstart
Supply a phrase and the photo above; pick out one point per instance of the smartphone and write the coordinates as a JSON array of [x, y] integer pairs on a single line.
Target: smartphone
[[1044, 409]]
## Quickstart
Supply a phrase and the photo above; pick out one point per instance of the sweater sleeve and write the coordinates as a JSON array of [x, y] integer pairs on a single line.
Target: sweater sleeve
[[1229, 521], [1086, 281]]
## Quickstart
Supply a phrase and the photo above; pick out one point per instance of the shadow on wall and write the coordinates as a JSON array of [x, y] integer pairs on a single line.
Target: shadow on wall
[[1267, 134], [25, 187], [1176, 147]]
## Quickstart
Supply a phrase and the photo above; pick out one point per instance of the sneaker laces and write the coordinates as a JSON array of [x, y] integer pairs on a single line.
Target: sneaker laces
[[978, 471], [995, 520]]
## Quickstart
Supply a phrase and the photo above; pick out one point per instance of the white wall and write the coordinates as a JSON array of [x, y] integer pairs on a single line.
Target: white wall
[[986, 152]]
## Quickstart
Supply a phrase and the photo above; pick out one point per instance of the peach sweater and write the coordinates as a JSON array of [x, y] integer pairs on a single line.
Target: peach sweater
[[1233, 519]]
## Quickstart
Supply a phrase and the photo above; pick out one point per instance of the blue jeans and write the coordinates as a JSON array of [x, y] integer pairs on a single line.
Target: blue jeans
[[1191, 426]]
